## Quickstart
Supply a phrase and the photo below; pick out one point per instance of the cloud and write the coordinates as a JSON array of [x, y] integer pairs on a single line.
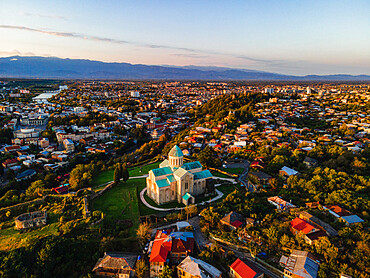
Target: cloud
[[195, 56], [141, 44], [266, 61], [16, 52], [53, 16]]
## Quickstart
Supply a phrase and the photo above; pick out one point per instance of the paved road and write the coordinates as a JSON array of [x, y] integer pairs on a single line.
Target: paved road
[[247, 256], [200, 238], [243, 178], [201, 241]]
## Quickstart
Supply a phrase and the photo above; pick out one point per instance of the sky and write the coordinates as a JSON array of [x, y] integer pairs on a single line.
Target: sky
[[296, 37]]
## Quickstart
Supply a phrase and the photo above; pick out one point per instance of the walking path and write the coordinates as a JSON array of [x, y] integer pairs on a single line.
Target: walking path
[[139, 177], [225, 179], [219, 196]]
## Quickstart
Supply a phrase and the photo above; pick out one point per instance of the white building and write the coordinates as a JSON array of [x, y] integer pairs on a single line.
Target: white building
[[135, 94]]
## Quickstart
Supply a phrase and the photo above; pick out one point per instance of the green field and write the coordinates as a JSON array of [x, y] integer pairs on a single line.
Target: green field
[[220, 175], [103, 177], [226, 189], [144, 210], [107, 176], [142, 170], [236, 171], [121, 202], [11, 238]]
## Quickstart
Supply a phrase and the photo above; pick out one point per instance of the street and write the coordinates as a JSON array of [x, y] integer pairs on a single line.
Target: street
[[202, 241]]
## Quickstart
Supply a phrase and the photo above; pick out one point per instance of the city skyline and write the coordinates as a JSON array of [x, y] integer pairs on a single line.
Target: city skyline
[[305, 37]]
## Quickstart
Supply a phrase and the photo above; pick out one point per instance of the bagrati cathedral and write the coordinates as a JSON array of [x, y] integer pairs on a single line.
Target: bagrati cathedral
[[175, 180]]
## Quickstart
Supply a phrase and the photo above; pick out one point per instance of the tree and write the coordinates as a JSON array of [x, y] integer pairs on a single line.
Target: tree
[[210, 215], [107, 244], [141, 268], [167, 272], [191, 210], [117, 173], [50, 180], [124, 172], [10, 174], [143, 232], [208, 157], [35, 189]]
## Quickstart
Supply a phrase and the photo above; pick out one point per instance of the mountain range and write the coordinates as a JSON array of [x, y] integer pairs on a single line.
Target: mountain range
[[58, 68]]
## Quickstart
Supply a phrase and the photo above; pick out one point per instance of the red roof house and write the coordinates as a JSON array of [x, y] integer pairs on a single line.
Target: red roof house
[[61, 189], [160, 249], [299, 225], [245, 269]]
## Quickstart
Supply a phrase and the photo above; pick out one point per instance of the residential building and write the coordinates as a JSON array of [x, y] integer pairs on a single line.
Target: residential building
[[309, 232], [300, 264], [194, 268], [120, 265], [260, 177], [286, 172], [343, 215], [280, 204], [159, 255], [69, 146], [25, 175], [233, 220], [243, 268], [310, 162]]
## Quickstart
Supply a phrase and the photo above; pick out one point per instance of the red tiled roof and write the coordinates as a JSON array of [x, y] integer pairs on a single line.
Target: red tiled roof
[[300, 225], [160, 250], [338, 210], [61, 189], [14, 147], [179, 245], [236, 224], [10, 161], [245, 269]]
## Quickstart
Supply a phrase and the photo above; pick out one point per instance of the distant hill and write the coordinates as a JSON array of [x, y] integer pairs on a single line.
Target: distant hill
[[52, 67]]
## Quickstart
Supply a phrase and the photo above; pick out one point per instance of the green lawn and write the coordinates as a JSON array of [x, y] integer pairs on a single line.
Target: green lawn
[[144, 210], [121, 202], [236, 171], [226, 189], [142, 170], [107, 176], [103, 177], [220, 175]]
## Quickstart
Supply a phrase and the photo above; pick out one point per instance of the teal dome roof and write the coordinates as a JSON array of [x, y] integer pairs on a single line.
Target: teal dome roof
[[175, 152]]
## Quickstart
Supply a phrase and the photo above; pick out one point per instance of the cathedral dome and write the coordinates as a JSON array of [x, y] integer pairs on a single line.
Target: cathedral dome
[[175, 152]]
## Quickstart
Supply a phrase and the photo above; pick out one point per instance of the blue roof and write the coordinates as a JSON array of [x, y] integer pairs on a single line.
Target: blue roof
[[352, 219], [186, 196], [311, 267], [191, 165], [162, 183], [176, 152], [202, 175], [162, 171], [26, 173], [182, 235], [171, 178]]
